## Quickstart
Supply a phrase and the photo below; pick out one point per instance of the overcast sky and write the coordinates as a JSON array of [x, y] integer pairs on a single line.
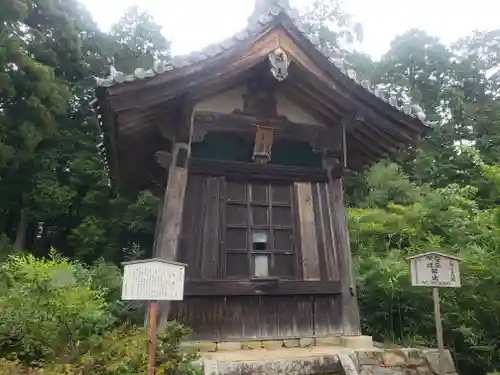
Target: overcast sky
[[193, 24]]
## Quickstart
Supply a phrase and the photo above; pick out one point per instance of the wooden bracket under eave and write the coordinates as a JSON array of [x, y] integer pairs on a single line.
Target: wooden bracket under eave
[[263, 144], [333, 166]]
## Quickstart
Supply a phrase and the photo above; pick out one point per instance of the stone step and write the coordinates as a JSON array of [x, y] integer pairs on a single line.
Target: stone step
[[332, 360], [273, 362]]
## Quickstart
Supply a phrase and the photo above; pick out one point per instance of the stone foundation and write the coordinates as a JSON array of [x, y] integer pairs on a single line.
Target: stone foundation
[[399, 362], [326, 360], [354, 342]]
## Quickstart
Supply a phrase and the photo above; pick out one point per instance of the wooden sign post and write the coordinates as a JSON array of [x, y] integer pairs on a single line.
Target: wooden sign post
[[153, 280], [436, 270]]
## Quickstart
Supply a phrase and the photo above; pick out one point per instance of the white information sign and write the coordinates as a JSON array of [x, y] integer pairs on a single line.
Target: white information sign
[[435, 270], [153, 280]]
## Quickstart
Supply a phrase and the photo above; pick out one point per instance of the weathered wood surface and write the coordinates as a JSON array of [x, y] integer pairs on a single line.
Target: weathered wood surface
[[320, 137], [328, 251], [324, 278], [267, 172], [319, 246], [349, 302], [171, 212], [259, 317], [309, 243], [259, 287], [200, 248], [170, 225]]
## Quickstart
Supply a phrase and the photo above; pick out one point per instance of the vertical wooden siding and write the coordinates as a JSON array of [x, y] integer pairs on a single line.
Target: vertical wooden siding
[[235, 317], [349, 302], [201, 234], [259, 317], [200, 248], [319, 243]]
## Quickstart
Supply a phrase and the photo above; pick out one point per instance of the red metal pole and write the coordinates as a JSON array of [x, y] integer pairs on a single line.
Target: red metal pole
[[153, 315]]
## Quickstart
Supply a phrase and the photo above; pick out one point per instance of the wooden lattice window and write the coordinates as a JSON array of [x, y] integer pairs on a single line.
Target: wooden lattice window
[[259, 236]]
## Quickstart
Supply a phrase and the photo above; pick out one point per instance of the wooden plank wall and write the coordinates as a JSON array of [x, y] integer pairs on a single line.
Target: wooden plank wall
[[259, 317], [201, 234], [200, 246], [235, 317], [318, 245]]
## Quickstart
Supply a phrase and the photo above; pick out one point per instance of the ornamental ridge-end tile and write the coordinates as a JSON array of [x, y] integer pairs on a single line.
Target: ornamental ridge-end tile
[[159, 67], [264, 19], [228, 43], [139, 73], [149, 73], [351, 73], [242, 35], [275, 10], [378, 92]]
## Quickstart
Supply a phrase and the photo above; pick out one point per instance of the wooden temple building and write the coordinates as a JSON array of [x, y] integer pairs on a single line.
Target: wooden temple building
[[246, 142]]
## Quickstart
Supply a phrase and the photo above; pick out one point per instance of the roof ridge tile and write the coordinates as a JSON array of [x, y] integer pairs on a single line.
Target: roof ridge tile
[[257, 22]]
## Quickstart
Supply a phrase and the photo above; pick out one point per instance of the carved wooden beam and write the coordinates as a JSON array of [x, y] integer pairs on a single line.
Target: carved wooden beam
[[320, 137], [247, 171]]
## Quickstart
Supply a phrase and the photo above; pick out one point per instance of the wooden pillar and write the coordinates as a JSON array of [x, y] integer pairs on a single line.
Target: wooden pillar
[[170, 222], [349, 301]]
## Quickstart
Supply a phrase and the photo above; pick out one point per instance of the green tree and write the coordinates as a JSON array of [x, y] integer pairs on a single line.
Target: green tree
[[34, 96], [139, 41], [330, 26]]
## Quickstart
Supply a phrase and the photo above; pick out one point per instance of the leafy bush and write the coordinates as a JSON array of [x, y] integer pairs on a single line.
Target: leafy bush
[[47, 306], [445, 220], [60, 318]]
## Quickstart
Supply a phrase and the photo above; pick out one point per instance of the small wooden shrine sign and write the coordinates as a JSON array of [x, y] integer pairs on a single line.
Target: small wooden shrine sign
[[153, 280], [435, 270]]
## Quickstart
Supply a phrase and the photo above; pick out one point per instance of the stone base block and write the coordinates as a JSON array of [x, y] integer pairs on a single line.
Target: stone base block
[[328, 341], [252, 344], [291, 343], [432, 357], [357, 342], [272, 344], [305, 342], [394, 358]]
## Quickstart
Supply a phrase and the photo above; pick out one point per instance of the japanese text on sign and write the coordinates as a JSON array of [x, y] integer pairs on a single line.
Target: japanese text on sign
[[153, 281], [436, 270]]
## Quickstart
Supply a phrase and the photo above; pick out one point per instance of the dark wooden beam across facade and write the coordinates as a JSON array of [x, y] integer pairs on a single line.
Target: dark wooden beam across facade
[[245, 171], [260, 287]]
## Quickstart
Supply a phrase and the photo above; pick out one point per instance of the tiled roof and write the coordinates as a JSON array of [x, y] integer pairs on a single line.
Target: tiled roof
[[257, 23]]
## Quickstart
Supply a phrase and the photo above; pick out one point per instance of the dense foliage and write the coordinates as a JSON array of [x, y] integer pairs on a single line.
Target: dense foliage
[[61, 317], [54, 192]]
